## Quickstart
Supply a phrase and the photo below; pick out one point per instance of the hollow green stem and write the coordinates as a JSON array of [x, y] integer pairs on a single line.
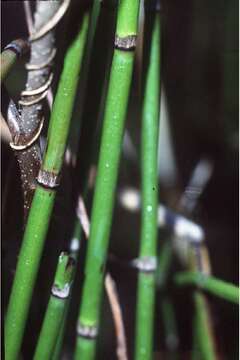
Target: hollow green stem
[[41, 209], [113, 126], [148, 244], [204, 346], [55, 309], [210, 284]]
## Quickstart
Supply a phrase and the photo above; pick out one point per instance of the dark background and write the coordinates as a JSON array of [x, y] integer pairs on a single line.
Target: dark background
[[200, 81]]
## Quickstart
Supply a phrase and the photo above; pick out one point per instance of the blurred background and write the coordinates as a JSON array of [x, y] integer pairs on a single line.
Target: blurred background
[[198, 121]]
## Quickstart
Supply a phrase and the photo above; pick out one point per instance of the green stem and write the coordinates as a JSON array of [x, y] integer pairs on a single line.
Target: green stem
[[42, 205], [10, 55], [213, 285], [170, 326], [55, 309], [74, 254], [148, 245], [164, 263], [202, 331], [77, 227], [113, 127]]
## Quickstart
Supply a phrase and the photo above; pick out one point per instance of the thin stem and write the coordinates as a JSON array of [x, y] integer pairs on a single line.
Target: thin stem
[[113, 127], [10, 54], [170, 326], [210, 284], [164, 263], [41, 209], [55, 309], [28, 16], [149, 151], [110, 290], [203, 335]]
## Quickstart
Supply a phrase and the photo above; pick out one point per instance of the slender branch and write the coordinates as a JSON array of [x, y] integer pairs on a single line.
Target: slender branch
[[117, 317], [214, 286], [202, 329], [10, 54], [28, 16], [42, 205]]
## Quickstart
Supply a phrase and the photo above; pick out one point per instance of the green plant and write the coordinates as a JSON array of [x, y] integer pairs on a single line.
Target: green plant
[[173, 256]]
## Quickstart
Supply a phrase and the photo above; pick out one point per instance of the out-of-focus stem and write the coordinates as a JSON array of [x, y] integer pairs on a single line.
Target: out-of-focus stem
[[214, 286]]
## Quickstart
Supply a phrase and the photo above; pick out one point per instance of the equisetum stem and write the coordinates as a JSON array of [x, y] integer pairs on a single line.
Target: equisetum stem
[[214, 286], [149, 226], [41, 209], [110, 288], [110, 148], [202, 329], [10, 54], [55, 309]]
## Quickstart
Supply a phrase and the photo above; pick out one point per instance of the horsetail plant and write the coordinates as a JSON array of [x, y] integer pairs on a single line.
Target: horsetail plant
[[56, 308], [147, 262], [42, 205], [103, 95], [110, 148]]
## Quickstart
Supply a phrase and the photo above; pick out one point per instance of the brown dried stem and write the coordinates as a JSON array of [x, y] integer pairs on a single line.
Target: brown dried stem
[[26, 126]]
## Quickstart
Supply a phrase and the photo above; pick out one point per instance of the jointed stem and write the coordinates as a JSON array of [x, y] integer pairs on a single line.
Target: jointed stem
[[10, 54], [113, 126], [40, 213], [148, 245], [55, 309]]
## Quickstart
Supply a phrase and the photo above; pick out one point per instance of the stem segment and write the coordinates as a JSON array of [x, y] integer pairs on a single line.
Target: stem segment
[[10, 54], [55, 310], [113, 126], [148, 245]]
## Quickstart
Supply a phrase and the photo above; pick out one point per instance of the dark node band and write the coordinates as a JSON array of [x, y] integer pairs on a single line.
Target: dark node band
[[19, 46]]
